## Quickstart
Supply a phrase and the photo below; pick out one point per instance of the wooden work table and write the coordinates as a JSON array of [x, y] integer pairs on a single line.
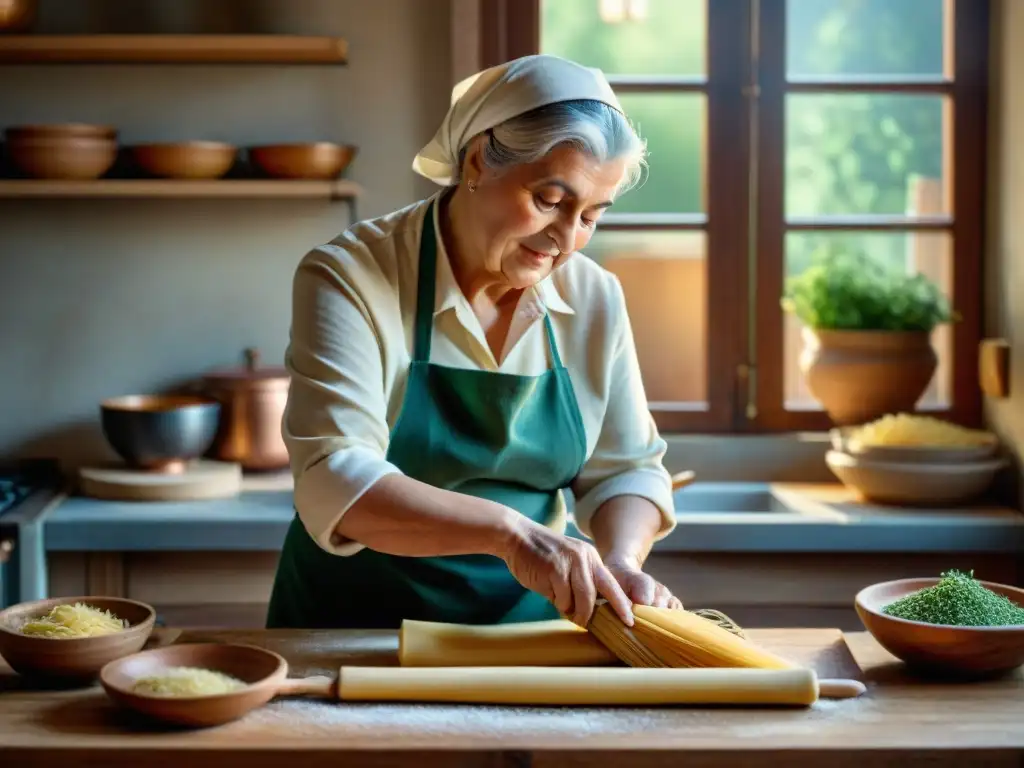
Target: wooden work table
[[900, 721]]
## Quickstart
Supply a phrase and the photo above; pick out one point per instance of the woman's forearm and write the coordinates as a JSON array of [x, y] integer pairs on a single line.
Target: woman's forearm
[[624, 528], [402, 516]]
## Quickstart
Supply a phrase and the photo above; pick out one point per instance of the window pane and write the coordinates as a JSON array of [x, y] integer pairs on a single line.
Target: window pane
[[627, 37], [673, 125], [927, 253], [864, 37], [664, 278], [864, 153]]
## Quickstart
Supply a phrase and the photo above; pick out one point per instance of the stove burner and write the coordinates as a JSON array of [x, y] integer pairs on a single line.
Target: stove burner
[[12, 492], [20, 480]]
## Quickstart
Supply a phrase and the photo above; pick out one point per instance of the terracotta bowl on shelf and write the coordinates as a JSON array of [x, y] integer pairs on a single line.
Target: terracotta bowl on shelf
[[914, 484], [17, 15], [185, 160], [68, 154], [60, 130], [320, 160], [72, 660], [263, 671], [941, 650], [160, 432]]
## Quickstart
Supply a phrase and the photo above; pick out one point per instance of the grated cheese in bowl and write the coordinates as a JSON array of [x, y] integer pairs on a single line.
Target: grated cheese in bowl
[[70, 621], [185, 682]]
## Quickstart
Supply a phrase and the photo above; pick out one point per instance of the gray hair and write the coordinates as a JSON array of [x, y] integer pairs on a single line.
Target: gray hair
[[589, 126]]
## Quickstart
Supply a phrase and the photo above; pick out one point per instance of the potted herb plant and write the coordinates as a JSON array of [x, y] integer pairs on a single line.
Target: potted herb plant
[[867, 336]]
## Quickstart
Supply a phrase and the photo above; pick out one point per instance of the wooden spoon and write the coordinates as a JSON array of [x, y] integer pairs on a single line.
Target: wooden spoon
[[683, 479]]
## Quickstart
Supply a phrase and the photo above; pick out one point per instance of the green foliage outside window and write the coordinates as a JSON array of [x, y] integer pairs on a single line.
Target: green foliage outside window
[[846, 154]]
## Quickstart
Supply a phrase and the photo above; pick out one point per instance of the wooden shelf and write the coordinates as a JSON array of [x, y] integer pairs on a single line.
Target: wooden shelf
[[172, 188], [172, 49]]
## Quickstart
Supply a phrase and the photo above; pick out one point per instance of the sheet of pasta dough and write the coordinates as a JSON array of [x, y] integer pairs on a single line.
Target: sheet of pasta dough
[[556, 643]]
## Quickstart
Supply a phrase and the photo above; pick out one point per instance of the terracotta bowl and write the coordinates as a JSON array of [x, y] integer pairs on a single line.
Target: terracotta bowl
[[81, 158], [76, 660], [320, 160], [186, 160], [60, 130], [160, 432], [914, 484], [263, 670], [17, 15], [941, 650], [913, 454]]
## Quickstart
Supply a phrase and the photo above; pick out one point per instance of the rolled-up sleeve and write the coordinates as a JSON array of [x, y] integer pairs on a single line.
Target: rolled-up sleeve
[[627, 458], [335, 424]]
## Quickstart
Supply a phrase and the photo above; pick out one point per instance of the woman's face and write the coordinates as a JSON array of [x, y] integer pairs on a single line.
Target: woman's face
[[528, 219]]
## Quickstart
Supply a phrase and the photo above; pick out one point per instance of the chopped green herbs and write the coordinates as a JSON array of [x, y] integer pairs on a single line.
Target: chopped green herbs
[[957, 600]]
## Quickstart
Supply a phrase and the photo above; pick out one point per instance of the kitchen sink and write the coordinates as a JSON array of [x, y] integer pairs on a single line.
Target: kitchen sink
[[721, 499], [710, 498]]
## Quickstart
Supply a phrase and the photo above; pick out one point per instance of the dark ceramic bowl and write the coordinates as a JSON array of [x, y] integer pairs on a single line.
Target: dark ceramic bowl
[[160, 432]]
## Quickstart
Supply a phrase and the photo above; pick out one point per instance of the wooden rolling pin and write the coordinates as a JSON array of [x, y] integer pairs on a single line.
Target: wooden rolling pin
[[570, 686]]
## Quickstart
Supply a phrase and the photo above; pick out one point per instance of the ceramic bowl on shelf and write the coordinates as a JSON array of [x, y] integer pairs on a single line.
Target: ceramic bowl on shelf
[[60, 130], [17, 15], [321, 160], [72, 660], [72, 151], [938, 649], [185, 160], [160, 432], [914, 483], [912, 454]]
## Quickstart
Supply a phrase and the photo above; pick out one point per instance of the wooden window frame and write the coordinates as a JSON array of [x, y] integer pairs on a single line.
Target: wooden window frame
[[745, 225]]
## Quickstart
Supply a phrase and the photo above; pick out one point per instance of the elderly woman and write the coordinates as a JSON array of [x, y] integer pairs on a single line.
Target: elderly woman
[[457, 364]]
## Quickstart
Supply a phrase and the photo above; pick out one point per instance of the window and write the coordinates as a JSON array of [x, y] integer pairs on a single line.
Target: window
[[778, 130]]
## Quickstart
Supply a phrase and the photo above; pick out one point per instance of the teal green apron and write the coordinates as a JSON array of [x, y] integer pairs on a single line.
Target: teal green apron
[[517, 440]]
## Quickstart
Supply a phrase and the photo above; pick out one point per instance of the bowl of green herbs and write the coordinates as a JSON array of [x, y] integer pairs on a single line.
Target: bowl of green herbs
[[954, 625]]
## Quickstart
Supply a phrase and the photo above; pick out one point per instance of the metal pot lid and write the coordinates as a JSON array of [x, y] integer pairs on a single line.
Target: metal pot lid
[[251, 373]]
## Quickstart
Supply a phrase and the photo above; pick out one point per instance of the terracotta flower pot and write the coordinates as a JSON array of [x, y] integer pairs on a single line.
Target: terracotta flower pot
[[858, 376]]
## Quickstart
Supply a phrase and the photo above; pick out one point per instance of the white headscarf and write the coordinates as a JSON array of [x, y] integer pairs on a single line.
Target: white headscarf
[[500, 93]]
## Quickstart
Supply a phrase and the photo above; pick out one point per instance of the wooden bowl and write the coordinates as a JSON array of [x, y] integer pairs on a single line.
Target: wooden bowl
[[914, 484], [937, 649], [60, 130], [263, 670], [81, 158], [160, 432], [17, 15], [320, 160], [185, 160], [75, 660], [913, 454]]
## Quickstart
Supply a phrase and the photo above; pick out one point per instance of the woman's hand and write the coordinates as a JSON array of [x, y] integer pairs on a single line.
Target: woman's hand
[[638, 586], [566, 571]]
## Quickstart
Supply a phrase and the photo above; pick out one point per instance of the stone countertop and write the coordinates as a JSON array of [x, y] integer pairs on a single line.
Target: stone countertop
[[712, 517]]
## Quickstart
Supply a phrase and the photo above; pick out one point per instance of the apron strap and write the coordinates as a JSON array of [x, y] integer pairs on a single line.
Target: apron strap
[[425, 292], [556, 360], [425, 289]]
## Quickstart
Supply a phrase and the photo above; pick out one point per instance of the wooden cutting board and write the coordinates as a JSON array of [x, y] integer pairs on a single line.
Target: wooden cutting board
[[321, 652], [199, 480]]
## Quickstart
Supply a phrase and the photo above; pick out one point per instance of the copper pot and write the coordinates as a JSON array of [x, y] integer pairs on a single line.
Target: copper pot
[[252, 402]]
